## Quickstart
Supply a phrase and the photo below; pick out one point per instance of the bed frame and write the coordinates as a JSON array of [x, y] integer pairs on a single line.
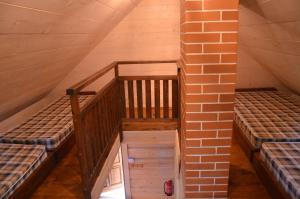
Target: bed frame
[[28, 187], [244, 142], [274, 188]]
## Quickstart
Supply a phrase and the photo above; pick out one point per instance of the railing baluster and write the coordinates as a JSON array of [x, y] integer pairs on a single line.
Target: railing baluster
[[130, 98], [148, 99], [139, 91], [157, 98], [174, 98], [122, 100], [166, 98]]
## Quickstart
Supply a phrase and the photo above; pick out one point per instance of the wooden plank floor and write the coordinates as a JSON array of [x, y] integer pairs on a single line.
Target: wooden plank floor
[[243, 181], [64, 181]]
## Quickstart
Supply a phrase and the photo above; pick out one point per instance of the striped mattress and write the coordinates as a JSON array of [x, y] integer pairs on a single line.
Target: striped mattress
[[267, 116], [49, 127], [283, 160], [17, 162]]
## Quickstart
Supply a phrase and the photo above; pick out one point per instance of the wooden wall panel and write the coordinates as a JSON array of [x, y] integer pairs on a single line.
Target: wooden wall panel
[[151, 162], [42, 41], [269, 44]]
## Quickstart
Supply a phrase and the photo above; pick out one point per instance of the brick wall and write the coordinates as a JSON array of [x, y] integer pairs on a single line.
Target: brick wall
[[209, 56]]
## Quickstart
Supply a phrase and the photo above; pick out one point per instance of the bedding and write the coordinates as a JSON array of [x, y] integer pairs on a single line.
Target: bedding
[[17, 162], [283, 160], [49, 127], [267, 116]]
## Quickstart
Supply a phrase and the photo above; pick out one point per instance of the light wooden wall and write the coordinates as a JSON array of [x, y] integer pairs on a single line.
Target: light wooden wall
[[149, 32], [153, 157], [269, 38], [42, 41]]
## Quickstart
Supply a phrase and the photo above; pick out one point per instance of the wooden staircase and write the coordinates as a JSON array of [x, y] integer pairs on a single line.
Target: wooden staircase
[[125, 103]]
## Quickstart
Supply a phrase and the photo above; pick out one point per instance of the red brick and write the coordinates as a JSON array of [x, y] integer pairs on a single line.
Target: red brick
[[215, 158], [216, 142], [193, 107], [217, 107], [229, 37], [193, 89], [223, 150], [225, 116], [221, 26], [201, 98], [214, 173], [199, 195], [225, 133], [202, 79], [202, 16], [201, 116], [213, 188], [219, 88], [201, 134], [192, 27], [191, 174], [192, 188], [192, 158], [230, 15], [200, 166], [201, 37], [229, 58], [227, 98], [199, 151], [192, 48], [222, 165], [193, 5], [220, 4], [202, 59], [220, 48], [216, 125], [199, 180], [219, 68], [193, 69], [221, 180]]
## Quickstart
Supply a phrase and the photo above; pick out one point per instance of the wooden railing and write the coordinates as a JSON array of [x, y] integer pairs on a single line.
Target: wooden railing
[[113, 109]]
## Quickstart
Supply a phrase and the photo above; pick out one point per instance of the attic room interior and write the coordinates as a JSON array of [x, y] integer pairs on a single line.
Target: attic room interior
[[150, 99]]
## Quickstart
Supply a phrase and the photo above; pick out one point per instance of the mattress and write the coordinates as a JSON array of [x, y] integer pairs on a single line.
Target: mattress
[[49, 127], [283, 160], [267, 116], [17, 162]]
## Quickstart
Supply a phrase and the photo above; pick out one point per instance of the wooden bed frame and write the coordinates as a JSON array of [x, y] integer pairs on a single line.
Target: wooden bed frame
[[244, 142], [274, 188], [28, 187]]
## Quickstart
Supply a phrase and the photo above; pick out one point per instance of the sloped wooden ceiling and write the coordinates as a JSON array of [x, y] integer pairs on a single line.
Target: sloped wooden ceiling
[[41, 41], [270, 34]]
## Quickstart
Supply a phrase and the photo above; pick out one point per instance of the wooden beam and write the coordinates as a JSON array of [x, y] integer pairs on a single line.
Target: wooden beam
[[149, 124]]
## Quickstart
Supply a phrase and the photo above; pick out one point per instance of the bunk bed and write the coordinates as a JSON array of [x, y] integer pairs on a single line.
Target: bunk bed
[[49, 130], [265, 116]]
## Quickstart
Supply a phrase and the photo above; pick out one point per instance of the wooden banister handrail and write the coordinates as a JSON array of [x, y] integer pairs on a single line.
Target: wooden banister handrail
[[98, 122], [147, 62], [87, 81], [154, 77]]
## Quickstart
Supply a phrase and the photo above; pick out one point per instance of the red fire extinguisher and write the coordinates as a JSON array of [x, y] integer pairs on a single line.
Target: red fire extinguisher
[[168, 188]]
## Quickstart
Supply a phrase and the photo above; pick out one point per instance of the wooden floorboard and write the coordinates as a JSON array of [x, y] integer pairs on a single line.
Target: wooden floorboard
[[64, 180], [243, 181]]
